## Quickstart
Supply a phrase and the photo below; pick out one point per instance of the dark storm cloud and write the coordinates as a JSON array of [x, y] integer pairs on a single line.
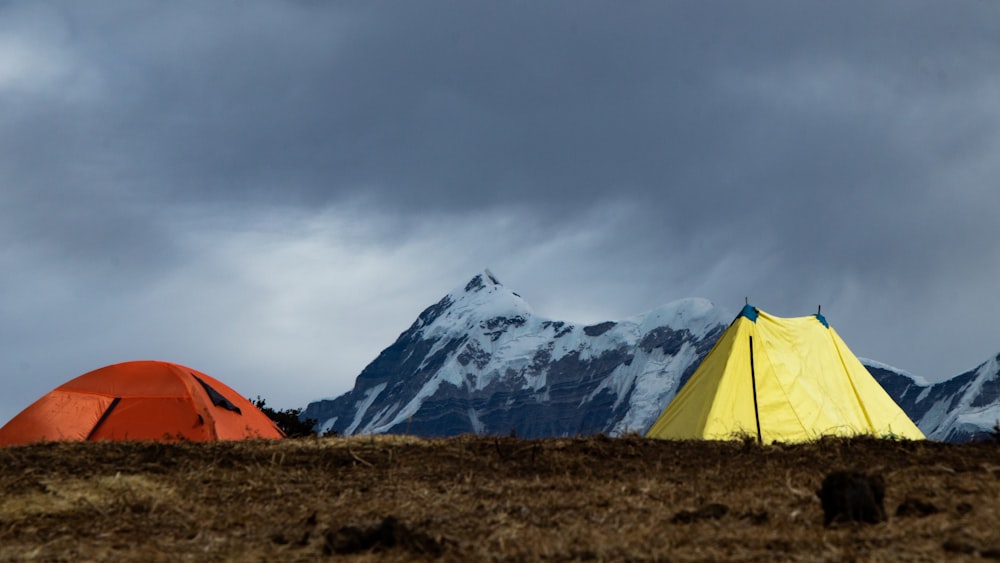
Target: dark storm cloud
[[460, 104], [797, 152]]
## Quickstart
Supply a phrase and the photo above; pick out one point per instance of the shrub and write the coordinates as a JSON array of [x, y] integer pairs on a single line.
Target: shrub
[[290, 421]]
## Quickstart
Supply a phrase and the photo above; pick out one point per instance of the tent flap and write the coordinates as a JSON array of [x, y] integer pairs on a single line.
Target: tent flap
[[216, 397]]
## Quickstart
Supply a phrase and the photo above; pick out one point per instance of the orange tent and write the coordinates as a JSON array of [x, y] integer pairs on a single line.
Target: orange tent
[[143, 400]]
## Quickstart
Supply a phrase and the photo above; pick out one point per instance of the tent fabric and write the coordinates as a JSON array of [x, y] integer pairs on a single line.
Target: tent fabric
[[781, 380], [141, 400]]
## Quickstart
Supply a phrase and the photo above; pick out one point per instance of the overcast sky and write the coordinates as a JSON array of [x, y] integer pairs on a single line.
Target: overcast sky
[[270, 192]]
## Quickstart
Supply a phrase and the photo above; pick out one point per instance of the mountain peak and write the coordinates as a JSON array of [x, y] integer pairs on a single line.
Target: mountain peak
[[486, 296], [483, 297], [481, 281]]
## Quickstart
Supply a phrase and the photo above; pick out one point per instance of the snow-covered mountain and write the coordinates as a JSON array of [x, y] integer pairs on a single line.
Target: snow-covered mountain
[[480, 361], [965, 407]]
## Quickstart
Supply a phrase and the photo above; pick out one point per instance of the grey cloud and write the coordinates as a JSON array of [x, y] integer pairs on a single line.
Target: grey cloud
[[472, 104], [801, 152]]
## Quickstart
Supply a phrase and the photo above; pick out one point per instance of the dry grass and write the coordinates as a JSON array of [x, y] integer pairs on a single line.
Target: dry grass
[[478, 498]]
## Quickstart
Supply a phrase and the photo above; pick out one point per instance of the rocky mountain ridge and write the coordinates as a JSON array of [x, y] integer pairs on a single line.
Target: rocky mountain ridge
[[963, 408]]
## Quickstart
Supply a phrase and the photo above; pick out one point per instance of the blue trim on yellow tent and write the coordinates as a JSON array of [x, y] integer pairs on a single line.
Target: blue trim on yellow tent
[[750, 312], [822, 319]]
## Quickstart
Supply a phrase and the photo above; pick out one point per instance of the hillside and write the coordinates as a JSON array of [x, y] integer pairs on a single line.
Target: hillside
[[398, 498]]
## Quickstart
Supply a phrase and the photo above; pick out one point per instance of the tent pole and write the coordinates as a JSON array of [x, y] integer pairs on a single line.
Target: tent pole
[[753, 381]]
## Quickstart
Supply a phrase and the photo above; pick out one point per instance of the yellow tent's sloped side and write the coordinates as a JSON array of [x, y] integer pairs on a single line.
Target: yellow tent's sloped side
[[884, 415], [803, 393], [787, 380], [711, 404]]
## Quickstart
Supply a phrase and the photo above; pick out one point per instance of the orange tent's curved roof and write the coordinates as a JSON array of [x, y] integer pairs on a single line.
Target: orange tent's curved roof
[[141, 400]]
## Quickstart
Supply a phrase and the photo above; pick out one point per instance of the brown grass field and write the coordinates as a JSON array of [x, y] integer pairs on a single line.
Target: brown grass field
[[486, 498]]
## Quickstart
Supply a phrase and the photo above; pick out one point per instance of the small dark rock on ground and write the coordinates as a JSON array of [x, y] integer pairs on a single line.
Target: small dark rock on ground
[[850, 496]]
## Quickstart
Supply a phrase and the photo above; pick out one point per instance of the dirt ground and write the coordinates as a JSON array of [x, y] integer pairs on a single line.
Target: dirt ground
[[488, 498]]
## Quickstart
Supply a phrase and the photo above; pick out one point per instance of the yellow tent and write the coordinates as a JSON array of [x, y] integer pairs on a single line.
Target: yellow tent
[[784, 380]]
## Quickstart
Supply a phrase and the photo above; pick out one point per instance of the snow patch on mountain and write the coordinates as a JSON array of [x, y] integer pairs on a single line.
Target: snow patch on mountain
[[652, 385], [363, 405], [872, 363], [697, 315], [974, 413]]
